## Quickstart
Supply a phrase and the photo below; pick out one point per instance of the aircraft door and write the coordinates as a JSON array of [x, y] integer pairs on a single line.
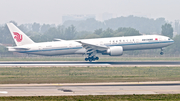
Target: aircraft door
[[160, 39], [137, 40], [40, 47], [101, 43], [70, 45]]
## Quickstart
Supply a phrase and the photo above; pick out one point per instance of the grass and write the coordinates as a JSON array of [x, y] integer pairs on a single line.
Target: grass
[[160, 97], [102, 58], [16, 75]]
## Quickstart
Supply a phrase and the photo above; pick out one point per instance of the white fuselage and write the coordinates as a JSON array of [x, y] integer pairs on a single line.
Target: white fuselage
[[65, 47]]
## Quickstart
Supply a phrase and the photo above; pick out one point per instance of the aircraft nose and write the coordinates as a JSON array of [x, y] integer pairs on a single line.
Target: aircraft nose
[[172, 41]]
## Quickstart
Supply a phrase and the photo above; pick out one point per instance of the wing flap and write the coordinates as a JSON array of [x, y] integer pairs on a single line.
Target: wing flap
[[90, 47]]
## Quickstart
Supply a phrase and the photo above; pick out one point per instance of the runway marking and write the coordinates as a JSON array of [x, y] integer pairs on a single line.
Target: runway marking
[[52, 64], [117, 83], [114, 88], [3, 92], [100, 63]]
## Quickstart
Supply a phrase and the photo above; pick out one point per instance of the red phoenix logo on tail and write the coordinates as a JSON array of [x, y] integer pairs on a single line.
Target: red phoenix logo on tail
[[18, 36]]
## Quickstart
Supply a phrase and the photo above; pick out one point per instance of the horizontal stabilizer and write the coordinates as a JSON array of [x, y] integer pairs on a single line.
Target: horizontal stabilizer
[[17, 49], [21, 48]]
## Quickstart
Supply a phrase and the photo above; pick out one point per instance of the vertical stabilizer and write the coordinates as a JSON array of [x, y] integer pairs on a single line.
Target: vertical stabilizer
[[19, 37]]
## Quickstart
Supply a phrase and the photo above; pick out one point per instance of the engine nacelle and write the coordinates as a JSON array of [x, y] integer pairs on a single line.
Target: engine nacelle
[[115, 51]]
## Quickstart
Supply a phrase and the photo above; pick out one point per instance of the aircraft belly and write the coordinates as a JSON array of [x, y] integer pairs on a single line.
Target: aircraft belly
[[145, 46], [81, 51], [55, 52]]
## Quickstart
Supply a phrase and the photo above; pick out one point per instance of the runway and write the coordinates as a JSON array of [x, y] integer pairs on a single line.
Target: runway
[[68, 63], [120, 88]]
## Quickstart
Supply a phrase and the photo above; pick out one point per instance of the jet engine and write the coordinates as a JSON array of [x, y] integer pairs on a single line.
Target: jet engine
[[115, 51]]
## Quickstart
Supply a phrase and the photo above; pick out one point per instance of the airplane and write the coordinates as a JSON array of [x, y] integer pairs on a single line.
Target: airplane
[[114, 46]]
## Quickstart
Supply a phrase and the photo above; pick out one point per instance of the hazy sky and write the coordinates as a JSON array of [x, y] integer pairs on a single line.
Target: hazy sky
[[51, 11]]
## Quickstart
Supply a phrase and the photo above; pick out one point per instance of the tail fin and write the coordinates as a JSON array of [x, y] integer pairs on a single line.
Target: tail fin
[[19, 37]]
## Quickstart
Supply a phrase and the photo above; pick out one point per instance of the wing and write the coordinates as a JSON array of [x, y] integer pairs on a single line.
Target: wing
[[58, 39], [92, 49]]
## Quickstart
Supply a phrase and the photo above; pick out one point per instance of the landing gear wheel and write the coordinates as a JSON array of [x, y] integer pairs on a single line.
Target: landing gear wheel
[[86, 59], [97, 58], [90, 59], [161, 53]]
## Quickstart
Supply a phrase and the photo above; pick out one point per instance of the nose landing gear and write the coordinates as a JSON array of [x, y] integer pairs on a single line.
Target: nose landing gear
[[161, 52]]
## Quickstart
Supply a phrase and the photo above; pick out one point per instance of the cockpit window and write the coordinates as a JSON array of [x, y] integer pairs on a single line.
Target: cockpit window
[[169, 39]]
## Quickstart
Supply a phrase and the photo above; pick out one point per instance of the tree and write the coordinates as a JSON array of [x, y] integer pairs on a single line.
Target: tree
[[70, 32], [90, 36], [175, 47], [98, 31], [6, 37], [143, 25], [126, 32], [36, 27], [15, 23], [167, 30], [51, 34], [23, 28], [45, 27], [107, 33]]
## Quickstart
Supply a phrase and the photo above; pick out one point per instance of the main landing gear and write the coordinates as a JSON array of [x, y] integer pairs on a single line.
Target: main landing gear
[[161, 52], [92, 58]]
